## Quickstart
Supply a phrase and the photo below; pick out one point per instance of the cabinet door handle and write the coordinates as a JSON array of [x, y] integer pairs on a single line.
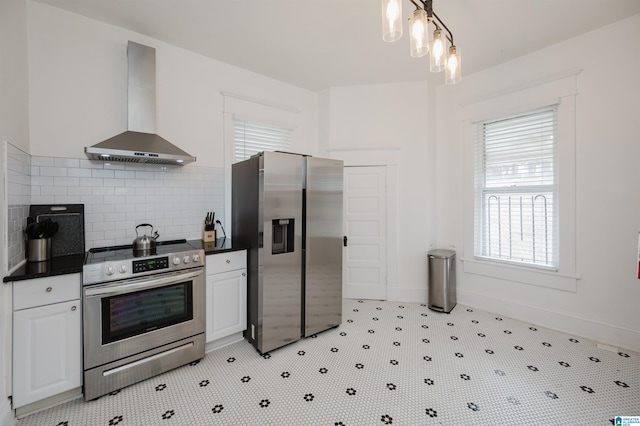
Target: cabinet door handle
[[228, 261], [49, 289], [73, 308], [244, 274]]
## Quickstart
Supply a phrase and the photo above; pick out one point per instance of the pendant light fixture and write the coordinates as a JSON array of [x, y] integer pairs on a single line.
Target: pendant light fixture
[[391, 21], [440, 57]]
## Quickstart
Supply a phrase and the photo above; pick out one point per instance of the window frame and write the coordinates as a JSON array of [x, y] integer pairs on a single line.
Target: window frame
[[558, 89], [481, 189]]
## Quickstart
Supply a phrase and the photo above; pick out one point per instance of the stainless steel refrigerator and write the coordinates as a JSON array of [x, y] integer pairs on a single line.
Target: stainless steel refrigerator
[[287, 209]]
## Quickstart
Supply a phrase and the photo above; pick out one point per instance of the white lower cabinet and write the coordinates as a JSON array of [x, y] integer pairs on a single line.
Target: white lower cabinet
[[226, 294], [47, 338]]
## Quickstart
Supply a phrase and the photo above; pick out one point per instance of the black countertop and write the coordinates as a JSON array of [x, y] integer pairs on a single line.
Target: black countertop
[[56, 266], [72, 264], [221, 245]]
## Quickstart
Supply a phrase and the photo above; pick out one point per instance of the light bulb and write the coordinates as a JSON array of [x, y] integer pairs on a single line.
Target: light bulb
[[419, 41], [392, 11], [436, 57], [391, 24], [453, 70]]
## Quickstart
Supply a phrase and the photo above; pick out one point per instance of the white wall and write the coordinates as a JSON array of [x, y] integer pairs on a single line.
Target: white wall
[[63, 87], [370, 119], [77, 97], [14, 128], [77, 90], [604, 306]]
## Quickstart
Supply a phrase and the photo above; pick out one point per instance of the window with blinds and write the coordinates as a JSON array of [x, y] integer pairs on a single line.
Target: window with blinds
[[516, 189], [252, 137]]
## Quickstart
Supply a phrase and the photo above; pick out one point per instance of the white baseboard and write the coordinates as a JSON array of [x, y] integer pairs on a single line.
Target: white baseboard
[[398, 294], [6, 414], [225, 341], [608, 334]]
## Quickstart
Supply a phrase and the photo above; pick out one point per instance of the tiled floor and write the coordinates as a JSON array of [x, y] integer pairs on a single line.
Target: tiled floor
[[388, 363]]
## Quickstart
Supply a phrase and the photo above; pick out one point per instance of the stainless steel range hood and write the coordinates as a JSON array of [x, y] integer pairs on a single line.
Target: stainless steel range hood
[[140, 143]]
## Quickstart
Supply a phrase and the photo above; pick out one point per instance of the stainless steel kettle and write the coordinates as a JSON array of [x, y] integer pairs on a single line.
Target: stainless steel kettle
[[145, 245]]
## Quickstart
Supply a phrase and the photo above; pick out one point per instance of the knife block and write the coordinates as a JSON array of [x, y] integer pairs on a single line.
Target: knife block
[[208, 236]]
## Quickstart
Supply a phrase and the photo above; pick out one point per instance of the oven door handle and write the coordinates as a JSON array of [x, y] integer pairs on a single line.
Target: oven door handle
[[112, 289]]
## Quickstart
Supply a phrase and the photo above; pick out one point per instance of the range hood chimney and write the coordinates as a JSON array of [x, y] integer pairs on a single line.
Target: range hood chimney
[[140, 143]]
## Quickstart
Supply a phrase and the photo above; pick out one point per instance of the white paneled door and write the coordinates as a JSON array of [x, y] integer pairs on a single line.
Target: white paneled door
[[365, 260]]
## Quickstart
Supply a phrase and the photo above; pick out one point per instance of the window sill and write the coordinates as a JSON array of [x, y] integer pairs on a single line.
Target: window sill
[[522, 275]]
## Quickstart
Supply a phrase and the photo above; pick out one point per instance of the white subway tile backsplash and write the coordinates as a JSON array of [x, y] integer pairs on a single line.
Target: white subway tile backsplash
[[117, 197], [90, 164], [66, 181], [18, 197], [113, 166], [81, 173], [54, 190], [79, 191], [124, 208], [114, 199], [92, 182], [93, 217], [66, 162], [150, 183], [114, 217], [98, 173], [103, 190], [124, 174], [145, 207], [41, 180], [44, 199], [93, 236], [113, 182], [68, 199], [132, 200], [133, 183], [41, 161], [121, 234], [103, 226], [145, 175], [53, 171], [134, 216], [124, 191], [92, 203]]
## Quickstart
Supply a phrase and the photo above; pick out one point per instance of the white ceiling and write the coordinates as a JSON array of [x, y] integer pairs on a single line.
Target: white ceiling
[[315, 44]]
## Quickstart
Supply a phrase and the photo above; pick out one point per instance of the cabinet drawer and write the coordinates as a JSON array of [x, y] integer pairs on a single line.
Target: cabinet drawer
[[228, 261], [45, 291]]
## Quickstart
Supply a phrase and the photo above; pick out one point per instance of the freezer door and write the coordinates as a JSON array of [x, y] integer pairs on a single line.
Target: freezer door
[[280, 257], [323, 245]]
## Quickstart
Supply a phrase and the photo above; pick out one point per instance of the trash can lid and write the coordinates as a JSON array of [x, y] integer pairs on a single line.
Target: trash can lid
[[442, 253]]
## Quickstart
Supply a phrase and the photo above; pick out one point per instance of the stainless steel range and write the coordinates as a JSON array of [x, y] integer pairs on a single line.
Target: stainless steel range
[[142, 315]]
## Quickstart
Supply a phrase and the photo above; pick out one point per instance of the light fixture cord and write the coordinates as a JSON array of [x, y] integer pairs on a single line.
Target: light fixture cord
[[427, 5], [450, 36]]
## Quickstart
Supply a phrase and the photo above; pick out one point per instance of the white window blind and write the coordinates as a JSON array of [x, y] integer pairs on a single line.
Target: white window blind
[[252, 137], [516, 191]]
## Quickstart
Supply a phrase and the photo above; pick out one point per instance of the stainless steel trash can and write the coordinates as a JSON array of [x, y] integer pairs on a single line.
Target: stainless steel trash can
[[442, 280]]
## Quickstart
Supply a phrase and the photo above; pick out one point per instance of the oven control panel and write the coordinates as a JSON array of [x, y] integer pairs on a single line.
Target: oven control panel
[[115, 270], [146, 265]]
